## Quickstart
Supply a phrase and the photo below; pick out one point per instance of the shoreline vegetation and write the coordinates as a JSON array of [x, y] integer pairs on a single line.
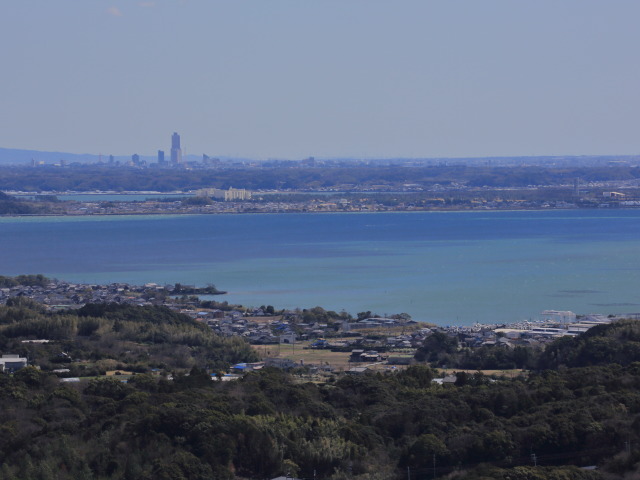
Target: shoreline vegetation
[[210, 289]]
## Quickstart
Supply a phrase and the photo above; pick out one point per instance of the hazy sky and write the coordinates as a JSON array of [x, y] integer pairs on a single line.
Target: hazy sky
[[328, 78]]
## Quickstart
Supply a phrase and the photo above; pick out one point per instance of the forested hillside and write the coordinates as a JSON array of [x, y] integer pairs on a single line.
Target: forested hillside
[[101, 337], [617, 343], [373, 426], [11, 206]]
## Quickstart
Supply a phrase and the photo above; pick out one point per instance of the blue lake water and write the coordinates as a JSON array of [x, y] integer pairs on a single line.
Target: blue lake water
[[448, 268]]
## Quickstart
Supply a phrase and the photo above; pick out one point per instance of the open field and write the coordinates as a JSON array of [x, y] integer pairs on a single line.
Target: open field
[[297, 353], [340, 360]]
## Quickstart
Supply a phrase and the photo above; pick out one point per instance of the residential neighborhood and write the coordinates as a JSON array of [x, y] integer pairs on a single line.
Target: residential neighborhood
[[359, 344]]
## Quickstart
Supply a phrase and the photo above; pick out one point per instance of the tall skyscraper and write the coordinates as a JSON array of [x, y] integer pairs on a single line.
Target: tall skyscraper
[[160, 156], [176, 152]]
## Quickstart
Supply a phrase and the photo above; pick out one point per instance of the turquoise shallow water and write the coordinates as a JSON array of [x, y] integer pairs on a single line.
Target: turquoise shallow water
[[449, 268]]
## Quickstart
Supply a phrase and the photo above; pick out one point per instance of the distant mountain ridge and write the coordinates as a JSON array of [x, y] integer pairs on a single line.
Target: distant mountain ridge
[[12, 156]]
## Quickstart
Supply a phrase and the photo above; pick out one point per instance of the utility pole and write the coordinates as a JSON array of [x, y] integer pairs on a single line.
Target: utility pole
[[434, 465]]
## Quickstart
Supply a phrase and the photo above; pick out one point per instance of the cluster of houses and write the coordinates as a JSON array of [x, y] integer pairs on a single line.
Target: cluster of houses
[[257, 328], [368, 341], [552, 325], [260, 329], [288, 330], [58, 294]]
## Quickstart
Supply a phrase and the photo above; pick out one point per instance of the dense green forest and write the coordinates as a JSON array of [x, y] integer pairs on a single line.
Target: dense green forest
[[171, 421], [101, 337], [38, 280], [620, 345], [92, 177]]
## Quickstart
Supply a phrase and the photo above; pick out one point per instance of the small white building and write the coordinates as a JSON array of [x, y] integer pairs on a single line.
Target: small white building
[[288, 338], [12, 363]]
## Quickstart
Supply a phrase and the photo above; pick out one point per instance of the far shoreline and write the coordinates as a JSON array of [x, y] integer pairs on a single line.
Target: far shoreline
[[301, 212]]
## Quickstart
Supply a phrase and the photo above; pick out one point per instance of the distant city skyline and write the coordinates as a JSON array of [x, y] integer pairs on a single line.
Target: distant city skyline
[[294, 79]]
